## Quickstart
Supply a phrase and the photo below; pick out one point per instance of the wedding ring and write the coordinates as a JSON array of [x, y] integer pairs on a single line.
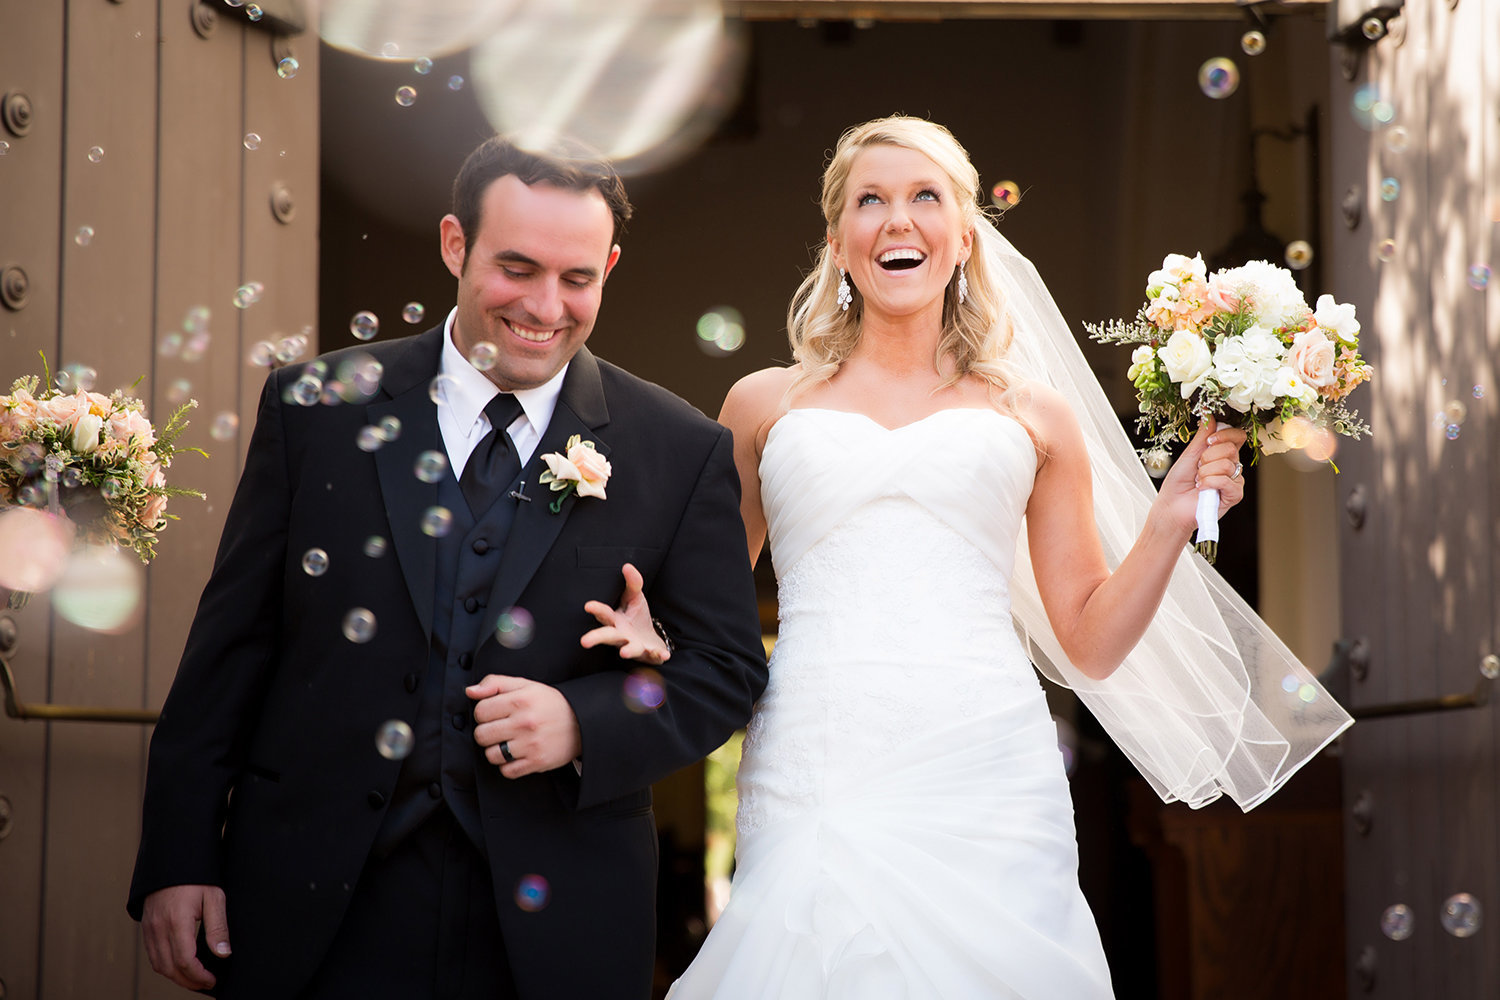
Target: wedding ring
[[1238, 468], [510, 758]]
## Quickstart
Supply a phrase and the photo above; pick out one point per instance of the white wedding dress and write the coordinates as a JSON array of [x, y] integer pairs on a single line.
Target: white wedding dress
[[905, 827]]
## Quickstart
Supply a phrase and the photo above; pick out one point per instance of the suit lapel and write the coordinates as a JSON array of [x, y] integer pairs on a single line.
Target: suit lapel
[[406, 497], [580, 410]]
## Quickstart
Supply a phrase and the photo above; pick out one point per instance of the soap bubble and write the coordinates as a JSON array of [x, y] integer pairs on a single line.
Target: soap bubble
[[484, 356], [1489, 666], [100, 589], [641, 81], [225, 426], [287, 67], [1253, 43], [359, 625], [422, 66], [246, 295], [307, 390], [84, 236], [439, 388], [375, 546], [1158, 462], [1462, 916], [644, 690], [1397, 139], [455, 82], [369, 438], [1218, 77], [364, 325], [262, 354], [434, 27], [394, 740], [406, 96], [252, 140], [437, 521], [1299, 255], [1390, 189], [413, 312], [1372, 28], [1455, 411], [532, 893], [431, 466], [514, 628], [76, 376], [1479, 277], [315, 562], [1397, 922], [1006, 194], [289, 349], [390, 428], [1452, 431], [195, 320], [96, 153], [253, 11], [34, 547], [1386, 250], [196, 346], [179, 391]]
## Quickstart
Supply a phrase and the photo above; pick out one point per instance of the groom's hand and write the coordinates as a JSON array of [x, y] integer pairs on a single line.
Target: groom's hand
[[533, 720], [628, 627], [169, 927]]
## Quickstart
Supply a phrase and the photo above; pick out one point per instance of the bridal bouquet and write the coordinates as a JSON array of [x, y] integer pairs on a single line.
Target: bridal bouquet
[[93, 459], [1242, 346]]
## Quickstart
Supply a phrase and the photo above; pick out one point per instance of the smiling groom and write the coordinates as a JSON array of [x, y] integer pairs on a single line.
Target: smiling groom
[[286, 851]]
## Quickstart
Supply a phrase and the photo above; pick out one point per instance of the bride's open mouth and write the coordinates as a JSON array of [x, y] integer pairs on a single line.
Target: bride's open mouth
[[901, 259]]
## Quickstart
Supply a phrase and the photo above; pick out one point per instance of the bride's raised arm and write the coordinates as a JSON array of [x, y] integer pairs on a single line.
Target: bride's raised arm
[[1099, 616], [753, 404]]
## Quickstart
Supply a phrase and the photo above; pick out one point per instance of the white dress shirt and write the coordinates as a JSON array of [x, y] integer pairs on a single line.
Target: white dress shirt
[[463, 392]]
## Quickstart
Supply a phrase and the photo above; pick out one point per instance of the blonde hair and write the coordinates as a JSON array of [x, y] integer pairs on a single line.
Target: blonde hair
[[976, 333]]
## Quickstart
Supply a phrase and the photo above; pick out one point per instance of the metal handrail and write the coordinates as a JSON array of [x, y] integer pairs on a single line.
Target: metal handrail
[[18, 709]]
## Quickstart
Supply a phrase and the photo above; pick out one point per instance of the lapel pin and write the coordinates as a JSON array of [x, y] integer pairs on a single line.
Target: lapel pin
[[520, 494]]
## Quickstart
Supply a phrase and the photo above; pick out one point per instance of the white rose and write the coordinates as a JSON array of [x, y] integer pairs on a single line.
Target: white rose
[[1271, 441], [1187, 359], [1337, 319], [86, 433]]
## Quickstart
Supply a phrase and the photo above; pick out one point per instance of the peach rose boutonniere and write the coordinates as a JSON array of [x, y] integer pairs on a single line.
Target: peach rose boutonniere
[[580, 470]]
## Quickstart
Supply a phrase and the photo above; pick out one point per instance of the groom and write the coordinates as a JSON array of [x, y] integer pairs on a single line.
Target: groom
[[388, 766]]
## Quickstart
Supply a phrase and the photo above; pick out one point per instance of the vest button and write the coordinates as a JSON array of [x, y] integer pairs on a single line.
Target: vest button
[[458, 720], [465, 661], [375, 799], [435, 790], [471, 604], [411, 681], [480, 546]]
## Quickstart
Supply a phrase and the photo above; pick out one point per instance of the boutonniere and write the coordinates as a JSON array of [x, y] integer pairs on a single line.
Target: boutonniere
[[581, 470]]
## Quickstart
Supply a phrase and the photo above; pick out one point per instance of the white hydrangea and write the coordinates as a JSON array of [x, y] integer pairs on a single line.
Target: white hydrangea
[[1337, 320], [1270, 291], [1247, 366]]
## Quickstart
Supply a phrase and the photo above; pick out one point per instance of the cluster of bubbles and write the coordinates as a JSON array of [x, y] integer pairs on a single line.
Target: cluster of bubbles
[[372, 436], [532, 893], [1299, 255], [644, 690], [76, 376], [248, 294], [514, 628], [265, 354], [1450, 419], [721, 331], [1304, 692], [1218, 77], [394, 740], [355, 380], [1461, 915], [1371, 109]]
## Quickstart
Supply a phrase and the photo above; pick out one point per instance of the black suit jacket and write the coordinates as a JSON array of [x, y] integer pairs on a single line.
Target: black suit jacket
[[263, 774]]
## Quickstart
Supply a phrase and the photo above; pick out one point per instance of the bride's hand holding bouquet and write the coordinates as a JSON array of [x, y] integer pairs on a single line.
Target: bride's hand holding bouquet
[[1243, 347]]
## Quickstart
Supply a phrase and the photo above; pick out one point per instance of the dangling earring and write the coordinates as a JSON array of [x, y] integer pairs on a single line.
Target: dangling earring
[[846, 295], [963, 285]]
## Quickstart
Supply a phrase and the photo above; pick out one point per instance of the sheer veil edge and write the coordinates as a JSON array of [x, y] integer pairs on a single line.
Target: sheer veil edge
[[1210, 702]]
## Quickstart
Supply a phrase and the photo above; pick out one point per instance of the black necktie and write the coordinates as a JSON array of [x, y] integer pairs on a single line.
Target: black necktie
[[494, 464]]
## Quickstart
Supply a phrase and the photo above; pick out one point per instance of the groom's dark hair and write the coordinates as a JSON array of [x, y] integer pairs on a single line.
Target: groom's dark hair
[[565, 164]]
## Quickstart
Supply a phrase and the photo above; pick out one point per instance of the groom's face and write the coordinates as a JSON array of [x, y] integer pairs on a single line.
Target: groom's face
[[531, 281]]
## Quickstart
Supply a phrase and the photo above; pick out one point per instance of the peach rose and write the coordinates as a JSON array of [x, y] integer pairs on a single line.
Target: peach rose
[[1312, 357], [64, 410], [127, 424], [151, 513], [582, 467]]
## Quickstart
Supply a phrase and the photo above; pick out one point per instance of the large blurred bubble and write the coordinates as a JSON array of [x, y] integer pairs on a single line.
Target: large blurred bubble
[[33, 548], [400, 29], [100, 589], [641, 81]]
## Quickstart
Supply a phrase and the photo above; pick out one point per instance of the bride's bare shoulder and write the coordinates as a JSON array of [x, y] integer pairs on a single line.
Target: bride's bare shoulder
[[1047, 416], [757, 401]]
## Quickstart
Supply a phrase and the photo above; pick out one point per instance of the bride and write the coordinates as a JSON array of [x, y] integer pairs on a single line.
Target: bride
[[926, 473]]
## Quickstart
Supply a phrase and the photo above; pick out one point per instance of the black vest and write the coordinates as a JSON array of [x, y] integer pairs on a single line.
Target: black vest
[[444, 759]]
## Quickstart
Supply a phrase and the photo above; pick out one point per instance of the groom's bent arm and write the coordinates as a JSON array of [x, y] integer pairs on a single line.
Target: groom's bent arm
[[705, 594]]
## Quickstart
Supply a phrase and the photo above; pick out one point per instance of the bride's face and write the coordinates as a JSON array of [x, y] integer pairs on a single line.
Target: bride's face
[[901, 234]]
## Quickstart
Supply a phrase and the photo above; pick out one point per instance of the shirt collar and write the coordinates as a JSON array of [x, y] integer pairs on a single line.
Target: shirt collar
[[468, 389]]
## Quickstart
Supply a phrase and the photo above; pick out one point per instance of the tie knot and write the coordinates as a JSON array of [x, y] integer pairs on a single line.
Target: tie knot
[[503, 410]]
